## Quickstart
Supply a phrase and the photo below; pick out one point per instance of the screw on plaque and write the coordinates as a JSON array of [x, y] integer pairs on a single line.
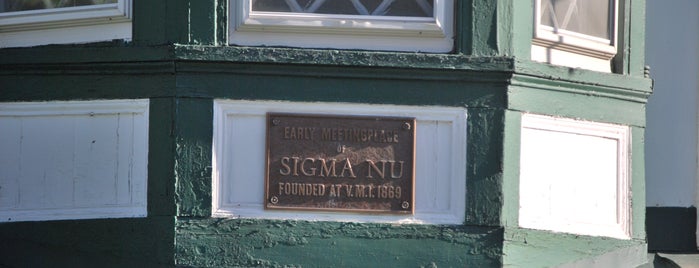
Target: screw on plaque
[[276, 121], [274, 200], [405, 205], [406, 126]]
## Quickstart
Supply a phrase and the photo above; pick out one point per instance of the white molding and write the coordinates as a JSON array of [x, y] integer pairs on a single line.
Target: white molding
[[66, 25], [342, 31], [556, 186], [73, 160], [239, 126], [555, 46]]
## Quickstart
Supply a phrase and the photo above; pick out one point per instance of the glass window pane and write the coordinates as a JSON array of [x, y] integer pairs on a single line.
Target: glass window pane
[[407, 8], [23, 5], [590, 17]]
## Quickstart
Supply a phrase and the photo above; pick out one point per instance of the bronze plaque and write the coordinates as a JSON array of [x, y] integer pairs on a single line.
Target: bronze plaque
[[340, 163]]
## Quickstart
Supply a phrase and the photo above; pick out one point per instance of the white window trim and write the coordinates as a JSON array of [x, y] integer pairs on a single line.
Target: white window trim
[[569, 46], [342, 31], [66, 25], [621, 134]]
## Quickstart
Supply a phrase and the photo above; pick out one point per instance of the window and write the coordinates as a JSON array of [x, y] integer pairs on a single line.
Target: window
[[576, 33], [408, 25], [28, 23]]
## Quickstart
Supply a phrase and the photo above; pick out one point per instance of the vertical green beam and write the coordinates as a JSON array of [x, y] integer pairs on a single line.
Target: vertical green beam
[[510, 177], [193, 138], [161, 22], [638, 183], [484, 195], [203, 24], [161, 184], [494, 28], [637, 32], [477, 27], [630, 58], [522, 28], [464, 27]]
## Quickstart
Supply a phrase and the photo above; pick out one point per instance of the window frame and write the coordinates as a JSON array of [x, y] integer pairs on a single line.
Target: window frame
[[598, 51], [435, 34], [66, 25]]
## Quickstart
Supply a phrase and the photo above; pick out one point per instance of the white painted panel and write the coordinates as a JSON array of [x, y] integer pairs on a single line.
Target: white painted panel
[[10, 128], [73, 160], [573, 176], [238, 160]]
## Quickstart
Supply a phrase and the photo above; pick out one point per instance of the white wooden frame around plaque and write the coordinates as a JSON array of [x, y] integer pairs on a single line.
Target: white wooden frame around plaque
[[239, 160]]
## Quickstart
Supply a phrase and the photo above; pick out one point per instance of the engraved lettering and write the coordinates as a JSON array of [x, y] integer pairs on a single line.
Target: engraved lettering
[[348, 166], [286, 170], [312, 169], [327, 170], [296, 165], [373, 166], [393, 169]]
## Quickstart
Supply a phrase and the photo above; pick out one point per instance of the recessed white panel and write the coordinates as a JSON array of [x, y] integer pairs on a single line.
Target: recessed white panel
[[239, 155], [573, 176], [73, 160]]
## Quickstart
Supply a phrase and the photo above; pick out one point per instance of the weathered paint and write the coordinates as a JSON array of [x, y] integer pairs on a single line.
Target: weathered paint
[[193, 132], [240, 242], [528, 248]]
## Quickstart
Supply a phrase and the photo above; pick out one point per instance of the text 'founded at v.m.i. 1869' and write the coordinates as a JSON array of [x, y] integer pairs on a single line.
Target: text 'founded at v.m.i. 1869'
[[340, 163]]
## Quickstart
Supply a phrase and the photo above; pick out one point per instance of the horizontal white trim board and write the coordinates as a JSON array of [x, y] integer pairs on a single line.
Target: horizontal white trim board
[[574, 177], [239, 157], [73, 160]]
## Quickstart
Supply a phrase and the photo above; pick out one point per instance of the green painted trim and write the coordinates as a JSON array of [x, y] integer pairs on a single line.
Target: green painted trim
[[484, 33], [534, 248], [522, 25], [511, 159], [161, 166], [638, 183], [584, 77], [140, 242], [330, 57], [637, 35], [193, 129], [582, 106], [463, 28], [599, 89], [261, 82], [672, 229], [269, 243], [108, 52], [39, 87], [203, 25], [484, 196]]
